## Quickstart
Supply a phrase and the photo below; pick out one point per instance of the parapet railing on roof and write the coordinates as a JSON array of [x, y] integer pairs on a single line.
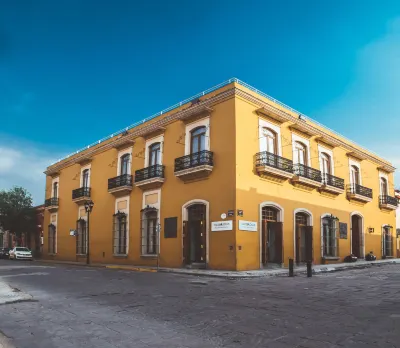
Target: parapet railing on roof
[[198, 95]]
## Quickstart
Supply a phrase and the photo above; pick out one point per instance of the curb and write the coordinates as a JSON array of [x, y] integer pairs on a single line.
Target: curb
[[128, 268]]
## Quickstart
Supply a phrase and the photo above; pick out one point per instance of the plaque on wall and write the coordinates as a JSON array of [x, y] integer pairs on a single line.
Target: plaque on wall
[[343, 230], [171, 227]]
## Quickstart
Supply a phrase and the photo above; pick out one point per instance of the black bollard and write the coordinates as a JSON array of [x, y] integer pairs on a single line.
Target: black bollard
[[291, 265], [309, 269]]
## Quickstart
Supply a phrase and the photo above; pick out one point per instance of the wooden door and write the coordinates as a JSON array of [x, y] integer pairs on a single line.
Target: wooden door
[[298, 242], [264, 241], [186, 244], [203, 241], [308, 230], [276, 228], [355, 236]]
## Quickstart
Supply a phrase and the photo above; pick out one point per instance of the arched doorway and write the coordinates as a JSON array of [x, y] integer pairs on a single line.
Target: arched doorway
[[271, 235], [357, 237], [195, 234], [303, 236]]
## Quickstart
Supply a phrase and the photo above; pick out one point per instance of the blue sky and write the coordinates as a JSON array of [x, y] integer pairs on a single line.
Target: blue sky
[[72, 72]]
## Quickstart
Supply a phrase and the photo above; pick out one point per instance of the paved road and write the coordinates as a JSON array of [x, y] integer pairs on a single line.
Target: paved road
[[89, 307]]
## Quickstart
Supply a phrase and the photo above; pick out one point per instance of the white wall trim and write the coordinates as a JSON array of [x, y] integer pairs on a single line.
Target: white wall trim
[[88, 166], [306, 142], [149, 142], [309, 223], [357, 164], [280, 218], [329, 152], [189, 127], [120, 154], [362, 231], [185, 217], [262, 123]]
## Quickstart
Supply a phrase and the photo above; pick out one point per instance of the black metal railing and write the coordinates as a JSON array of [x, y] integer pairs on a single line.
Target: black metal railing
[[155, 171], [334, 181], [81, 192], [307, 172], [385, 199], [118, 181], [194, 160], [51, 202], [271, 160], [356, 189]]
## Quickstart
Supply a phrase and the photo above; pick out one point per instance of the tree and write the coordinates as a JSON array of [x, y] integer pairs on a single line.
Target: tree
[[17, 214]]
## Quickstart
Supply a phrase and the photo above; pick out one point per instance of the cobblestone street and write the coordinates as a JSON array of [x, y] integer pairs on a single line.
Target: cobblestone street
[[90, 307]]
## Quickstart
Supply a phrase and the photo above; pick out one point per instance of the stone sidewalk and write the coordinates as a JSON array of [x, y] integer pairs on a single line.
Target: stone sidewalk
[[11, 295], [300, 270]]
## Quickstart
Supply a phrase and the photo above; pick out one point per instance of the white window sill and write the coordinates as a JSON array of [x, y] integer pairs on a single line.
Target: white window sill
[[120, 255], [81, 255], [150, 256], [332, 258], [52, 254]]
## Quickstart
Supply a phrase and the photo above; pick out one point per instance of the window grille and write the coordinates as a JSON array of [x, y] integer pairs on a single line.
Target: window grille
[[269, 214], [81, 237], [150, 228], [52, 239], [330, 237], [387, 242], [120, 235]]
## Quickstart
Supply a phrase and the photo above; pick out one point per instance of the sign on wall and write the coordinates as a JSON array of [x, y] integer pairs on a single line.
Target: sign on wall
[[231, 213], [248, 226], [221, 226], [343, 230], [170, 227], [240, 212]]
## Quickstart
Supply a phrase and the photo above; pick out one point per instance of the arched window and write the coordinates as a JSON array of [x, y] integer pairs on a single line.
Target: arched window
[[125, 164], [55, 190], [384, 187], [85, 178], [300, 155], [301, 219], [355, 175], [198, 139], [155, 154], [325, 164], [270, 144], [269, 214]]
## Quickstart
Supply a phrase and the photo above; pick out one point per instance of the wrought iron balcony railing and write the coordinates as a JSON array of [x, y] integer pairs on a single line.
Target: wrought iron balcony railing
[[271, 160], [334, 181], [119, 181], [307, 172], [81, 192], [385, 199], [155, 171], [51, 202], [356, 189], [196, 159]]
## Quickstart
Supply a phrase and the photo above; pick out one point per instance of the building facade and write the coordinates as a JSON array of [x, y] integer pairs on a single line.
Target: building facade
[[229, 179]]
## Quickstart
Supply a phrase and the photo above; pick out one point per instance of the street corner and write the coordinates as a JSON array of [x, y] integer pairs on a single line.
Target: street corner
[[9, 295]]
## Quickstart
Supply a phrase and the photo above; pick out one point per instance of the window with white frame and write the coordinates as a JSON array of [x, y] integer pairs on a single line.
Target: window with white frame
[[326, 165], [197, 136], [125, 161], [330, 238], [387, 241], [120, 233], [85, 178], [300, 153], [154, 154], [55, 189], [81, 237], [383, 186], [149, 231], [269, 141]]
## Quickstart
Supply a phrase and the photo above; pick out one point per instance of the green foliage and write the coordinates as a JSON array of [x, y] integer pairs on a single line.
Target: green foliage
[[17, 214]]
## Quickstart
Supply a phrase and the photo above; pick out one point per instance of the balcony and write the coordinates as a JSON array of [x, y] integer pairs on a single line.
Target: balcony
[[359, 193], [271, 164], [150, 177], [120, 185], [80, 195], [194, 166], [332, 184], [307, 176], [388, 202], [51, 204]]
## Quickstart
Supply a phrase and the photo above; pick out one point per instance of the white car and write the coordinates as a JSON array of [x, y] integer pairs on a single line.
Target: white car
[[20, 253]]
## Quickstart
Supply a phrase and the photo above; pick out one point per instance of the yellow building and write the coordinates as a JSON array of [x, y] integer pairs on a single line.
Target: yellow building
[[229, 179]]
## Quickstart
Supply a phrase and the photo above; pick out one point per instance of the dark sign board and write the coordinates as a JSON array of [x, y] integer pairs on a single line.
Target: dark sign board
[[231, 213], [171, 227], [343, 230], [240, 212]]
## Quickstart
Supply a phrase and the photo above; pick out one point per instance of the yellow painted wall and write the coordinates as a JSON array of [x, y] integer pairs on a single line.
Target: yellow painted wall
[[252, 190]]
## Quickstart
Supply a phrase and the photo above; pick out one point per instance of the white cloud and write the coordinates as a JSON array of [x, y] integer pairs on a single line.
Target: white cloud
[[369, 109], [23, 165]]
